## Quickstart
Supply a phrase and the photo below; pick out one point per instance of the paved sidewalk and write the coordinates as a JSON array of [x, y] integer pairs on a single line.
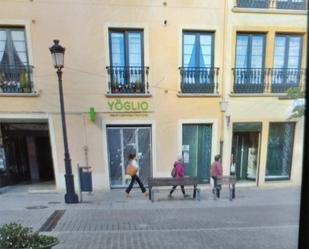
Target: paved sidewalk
[[257, 218]]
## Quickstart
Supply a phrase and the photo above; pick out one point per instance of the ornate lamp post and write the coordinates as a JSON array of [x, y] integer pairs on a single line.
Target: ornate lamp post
[[57, 53]]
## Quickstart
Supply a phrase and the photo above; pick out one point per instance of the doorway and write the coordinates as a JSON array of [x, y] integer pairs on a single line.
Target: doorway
[[26, 153], [196, 149], [245, 150], [123, 140]]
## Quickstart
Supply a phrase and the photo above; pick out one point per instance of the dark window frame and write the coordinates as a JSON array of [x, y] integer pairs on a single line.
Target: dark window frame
[[126, 31], [249, 48], [17, 28], [197, 33], [287, 47]]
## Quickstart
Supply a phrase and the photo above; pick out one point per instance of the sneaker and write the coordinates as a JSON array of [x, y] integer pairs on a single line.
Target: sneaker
[[170, 196], [128, 195], [145, 194], [186, 195]]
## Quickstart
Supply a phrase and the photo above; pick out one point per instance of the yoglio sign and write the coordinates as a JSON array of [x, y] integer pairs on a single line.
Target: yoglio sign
[[128, 106]]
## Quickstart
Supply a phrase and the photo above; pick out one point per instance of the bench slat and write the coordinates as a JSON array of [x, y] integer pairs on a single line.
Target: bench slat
[[169, 181], [226, 180]]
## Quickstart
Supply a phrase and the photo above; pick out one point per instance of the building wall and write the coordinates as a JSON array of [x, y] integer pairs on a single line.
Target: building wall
[[263, 108], [82, 28]]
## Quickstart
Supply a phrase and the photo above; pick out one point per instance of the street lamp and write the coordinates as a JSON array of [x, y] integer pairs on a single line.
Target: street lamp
[[57, 53]]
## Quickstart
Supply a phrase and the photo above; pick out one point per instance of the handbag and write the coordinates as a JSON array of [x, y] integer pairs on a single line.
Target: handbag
[[131, 170]]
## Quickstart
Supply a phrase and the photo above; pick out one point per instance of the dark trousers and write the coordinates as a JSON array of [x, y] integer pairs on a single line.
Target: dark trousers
[[133, 179], [182, 189], [216, 189], [233, 190]]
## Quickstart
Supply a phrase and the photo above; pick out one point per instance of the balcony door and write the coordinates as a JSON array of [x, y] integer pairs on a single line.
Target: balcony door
[[126, 60], [249, 63], [287, 60], [197, 62], [14, 64]]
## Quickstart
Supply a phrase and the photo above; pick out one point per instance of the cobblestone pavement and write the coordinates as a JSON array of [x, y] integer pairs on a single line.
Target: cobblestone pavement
[[257, 218]]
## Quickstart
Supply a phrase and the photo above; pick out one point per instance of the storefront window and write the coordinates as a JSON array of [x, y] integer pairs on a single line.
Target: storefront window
[[280, 148], [123, 141]]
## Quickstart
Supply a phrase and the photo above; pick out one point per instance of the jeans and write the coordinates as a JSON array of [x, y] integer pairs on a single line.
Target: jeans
[[216, 188], [133, 179]]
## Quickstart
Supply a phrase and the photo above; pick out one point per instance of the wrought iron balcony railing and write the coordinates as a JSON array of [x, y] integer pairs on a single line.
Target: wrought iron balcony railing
[[253, 3], [199, 79], [267, 80], [128, 80], [274, 4], [15, 79]]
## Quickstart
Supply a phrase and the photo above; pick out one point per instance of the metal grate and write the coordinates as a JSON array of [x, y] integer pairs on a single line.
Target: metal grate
[[52, 221]]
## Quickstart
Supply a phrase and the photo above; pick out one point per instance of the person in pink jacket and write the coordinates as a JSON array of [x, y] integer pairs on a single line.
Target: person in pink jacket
[[215, 171], [180, 172]]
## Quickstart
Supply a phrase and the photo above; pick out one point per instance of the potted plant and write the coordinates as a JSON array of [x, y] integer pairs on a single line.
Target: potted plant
[[16, 236], [116, 86], [138, 85], [23, 81]]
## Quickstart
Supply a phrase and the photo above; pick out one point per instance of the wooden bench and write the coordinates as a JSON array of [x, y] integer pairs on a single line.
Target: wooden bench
[[169, 181], [230, 181]]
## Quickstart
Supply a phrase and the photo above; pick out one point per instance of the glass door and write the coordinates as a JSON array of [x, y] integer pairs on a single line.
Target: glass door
[[196, 141], [121, 142], [245, 148]]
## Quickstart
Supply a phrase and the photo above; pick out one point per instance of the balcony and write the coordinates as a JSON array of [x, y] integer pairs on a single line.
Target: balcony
[[15, 79], [128, 80], [199, 79], [267, 80], [273, 4]]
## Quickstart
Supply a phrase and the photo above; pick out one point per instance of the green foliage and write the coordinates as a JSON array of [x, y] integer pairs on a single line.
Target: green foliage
[[23, 80], [296, 93], [16, 236], [138, 83]]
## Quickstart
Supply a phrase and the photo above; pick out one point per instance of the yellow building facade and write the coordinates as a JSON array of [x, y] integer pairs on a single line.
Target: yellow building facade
[[158, 78]]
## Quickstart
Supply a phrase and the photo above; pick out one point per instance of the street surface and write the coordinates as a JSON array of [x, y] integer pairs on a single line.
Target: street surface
[[258, 218]]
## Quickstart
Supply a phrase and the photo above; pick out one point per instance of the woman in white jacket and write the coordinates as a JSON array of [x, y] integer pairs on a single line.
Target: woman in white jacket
[[133, 162]]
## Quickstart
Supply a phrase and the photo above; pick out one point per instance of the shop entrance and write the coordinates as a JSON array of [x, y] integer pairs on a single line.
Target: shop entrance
[[245, 150], [196, 149], [26, 153], [123, 140]]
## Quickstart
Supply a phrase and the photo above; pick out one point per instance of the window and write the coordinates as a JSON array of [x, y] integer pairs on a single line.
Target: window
[[197, 49], [197, 71], [279, 152], [13, 51], [287, 59], [15, 72], [249, 69], [287, 51], [126, 60], [250, 50]]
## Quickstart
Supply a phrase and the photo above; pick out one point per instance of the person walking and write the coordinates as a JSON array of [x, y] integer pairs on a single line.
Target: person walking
[[179, 173], [134, 167], [215, 171]]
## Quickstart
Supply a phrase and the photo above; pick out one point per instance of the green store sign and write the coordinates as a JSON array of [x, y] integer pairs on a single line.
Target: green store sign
[[128, 106]]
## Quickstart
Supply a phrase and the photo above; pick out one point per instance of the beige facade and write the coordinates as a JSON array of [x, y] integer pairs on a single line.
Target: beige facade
[[83, 29]]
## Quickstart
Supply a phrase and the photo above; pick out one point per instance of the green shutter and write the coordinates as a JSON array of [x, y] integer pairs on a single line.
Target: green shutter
[[198, 138]]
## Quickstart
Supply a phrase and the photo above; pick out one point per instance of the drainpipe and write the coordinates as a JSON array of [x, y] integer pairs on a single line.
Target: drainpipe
[[223, 102]]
